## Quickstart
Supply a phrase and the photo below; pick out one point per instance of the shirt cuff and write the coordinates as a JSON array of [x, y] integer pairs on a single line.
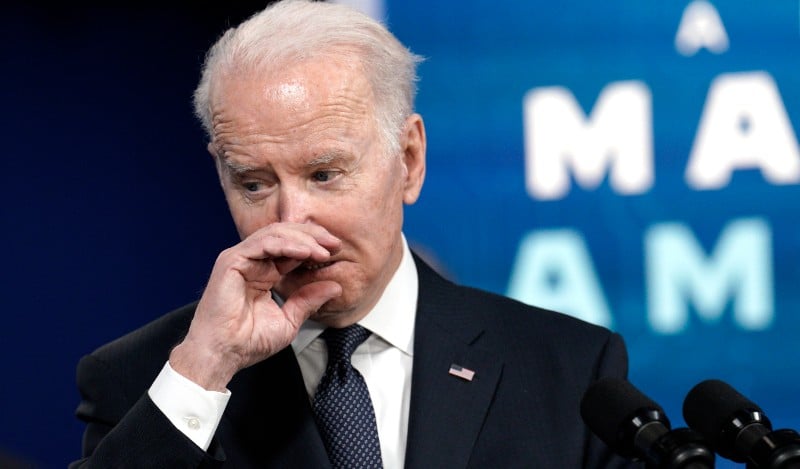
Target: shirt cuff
[[194, 411]]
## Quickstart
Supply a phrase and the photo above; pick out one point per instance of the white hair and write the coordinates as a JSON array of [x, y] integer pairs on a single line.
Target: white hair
[[292, 30]]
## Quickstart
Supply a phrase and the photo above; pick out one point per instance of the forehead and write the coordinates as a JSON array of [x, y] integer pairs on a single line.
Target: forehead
[[303, 109], [334, 82]]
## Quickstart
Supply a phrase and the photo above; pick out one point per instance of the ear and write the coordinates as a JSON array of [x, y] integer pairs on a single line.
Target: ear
[[413, 153]]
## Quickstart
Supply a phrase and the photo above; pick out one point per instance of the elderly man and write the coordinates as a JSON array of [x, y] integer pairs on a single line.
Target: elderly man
[[309, 111]]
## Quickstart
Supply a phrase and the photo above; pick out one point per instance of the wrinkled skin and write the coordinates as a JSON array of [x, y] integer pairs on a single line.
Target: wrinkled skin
[[317, 202]]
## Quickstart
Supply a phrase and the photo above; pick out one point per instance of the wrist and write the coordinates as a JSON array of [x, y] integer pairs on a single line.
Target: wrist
[[206, 368]]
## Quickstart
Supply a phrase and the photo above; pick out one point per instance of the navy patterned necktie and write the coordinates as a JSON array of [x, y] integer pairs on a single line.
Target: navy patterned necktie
[[342, 406]]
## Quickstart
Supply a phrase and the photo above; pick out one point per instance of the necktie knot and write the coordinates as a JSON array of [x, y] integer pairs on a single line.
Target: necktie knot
[[343, 342]]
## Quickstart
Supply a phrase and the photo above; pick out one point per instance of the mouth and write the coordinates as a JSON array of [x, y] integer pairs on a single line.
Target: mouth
[[315, 265]]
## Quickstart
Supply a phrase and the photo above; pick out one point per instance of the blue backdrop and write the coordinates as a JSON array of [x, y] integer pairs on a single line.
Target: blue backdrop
[[632, 163]]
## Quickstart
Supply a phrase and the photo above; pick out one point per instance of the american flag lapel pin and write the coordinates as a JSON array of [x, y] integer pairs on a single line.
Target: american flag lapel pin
[[461, 372]]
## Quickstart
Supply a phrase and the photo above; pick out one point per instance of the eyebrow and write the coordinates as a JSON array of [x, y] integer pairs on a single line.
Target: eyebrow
[[327, 158], [237, 168]]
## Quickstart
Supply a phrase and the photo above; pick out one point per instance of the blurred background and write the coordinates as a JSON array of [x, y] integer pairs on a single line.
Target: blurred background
[[633, 163]]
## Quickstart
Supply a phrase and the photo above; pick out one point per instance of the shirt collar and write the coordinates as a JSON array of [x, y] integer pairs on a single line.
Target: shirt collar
[[392, 318]]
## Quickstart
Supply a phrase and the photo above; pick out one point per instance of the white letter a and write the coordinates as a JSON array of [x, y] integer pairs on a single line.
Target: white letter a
[[701, 26]]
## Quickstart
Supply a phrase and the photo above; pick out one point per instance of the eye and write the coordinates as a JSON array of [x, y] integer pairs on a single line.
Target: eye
[[322, 176], [251, 186], [254, 188]]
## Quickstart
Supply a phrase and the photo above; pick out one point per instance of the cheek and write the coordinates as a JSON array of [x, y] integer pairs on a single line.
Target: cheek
[[246, 223], [380, 205], [248, 218], [382, 218], [366, 220]]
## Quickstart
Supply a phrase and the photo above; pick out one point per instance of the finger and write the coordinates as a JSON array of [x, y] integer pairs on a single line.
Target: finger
[[307, 299], [259, 274], [302, 230], [267, 270], [320, 234], [291, 240], [284, 265]]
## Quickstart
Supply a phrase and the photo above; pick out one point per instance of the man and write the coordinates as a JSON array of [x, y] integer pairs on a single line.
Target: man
[[309, 111]]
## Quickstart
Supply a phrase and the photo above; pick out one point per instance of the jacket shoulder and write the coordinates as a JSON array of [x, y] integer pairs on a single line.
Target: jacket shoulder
[[142, 353], [503, 316]]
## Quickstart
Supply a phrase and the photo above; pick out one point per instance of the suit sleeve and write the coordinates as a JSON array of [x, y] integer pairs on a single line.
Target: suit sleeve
[[612, 362], [129, 431]]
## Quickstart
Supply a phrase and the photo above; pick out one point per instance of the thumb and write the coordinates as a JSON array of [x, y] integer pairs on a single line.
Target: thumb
[[307, 299]]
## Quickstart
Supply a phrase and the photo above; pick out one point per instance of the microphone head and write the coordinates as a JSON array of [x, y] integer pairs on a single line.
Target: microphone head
[[720, 413], [615, 411]]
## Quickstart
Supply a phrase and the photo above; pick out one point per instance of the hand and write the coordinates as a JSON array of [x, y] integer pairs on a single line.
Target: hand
[[237, 323]]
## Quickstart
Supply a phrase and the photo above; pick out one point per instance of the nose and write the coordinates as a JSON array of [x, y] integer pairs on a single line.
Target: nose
[[294, 204]]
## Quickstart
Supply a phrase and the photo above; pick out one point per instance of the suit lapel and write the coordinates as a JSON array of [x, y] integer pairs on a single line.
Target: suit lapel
[[270, 422], [446, 411], [270, 415]]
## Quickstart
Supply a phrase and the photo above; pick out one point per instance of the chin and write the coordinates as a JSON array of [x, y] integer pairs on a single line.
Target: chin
[[335, 317]]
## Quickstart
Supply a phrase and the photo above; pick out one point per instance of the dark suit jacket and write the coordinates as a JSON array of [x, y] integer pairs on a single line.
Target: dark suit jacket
[[520, 410]]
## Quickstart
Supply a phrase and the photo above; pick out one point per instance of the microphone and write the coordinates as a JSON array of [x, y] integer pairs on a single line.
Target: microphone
[[636, 427], [738, 429]]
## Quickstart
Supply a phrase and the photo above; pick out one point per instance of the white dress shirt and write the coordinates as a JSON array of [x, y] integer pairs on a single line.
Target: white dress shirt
[[384, 360]]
